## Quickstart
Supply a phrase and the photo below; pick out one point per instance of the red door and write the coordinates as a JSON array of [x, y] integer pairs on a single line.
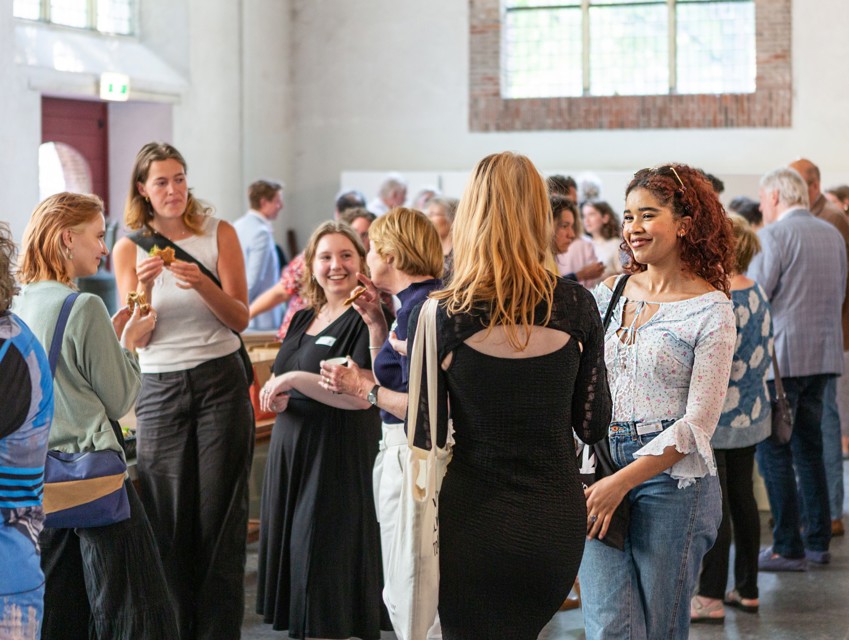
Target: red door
[[83, 125]]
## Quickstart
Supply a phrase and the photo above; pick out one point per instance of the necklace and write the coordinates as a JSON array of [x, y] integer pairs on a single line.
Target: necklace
[[326, 317]]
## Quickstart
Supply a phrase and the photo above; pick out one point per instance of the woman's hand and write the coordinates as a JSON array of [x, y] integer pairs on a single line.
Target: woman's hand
[[368, 303], [188, 274], [591, 271], [399, 345], [274, 395], [120, 319], [602, 499], [338, 378], [148, 269], [137, 328]]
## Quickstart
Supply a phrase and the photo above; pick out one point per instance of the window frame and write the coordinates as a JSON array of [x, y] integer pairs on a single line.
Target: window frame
[[770, 105], [91, 19]]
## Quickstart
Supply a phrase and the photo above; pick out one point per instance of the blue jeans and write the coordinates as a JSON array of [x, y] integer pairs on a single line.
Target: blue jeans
[[643, 592], [832, 453], [21, 614], [794, 473]]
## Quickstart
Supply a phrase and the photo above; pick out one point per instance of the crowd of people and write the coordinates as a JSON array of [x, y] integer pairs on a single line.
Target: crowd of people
[[705, 310]]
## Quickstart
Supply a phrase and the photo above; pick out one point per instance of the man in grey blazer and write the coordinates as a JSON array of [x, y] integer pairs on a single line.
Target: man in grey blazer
[[802, 267], [262, 264]]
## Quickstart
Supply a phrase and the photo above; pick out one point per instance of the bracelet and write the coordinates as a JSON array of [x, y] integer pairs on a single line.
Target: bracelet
[[371, 348]]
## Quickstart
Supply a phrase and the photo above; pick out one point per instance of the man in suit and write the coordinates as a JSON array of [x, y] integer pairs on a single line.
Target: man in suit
[[262, 264], [837, 388], [802, 267]]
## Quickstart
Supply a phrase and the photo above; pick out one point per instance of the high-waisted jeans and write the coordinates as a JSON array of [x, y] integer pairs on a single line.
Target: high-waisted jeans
[[643, 592]]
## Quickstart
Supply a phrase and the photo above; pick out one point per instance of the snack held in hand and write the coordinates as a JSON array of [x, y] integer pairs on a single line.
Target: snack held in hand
[[138, 298], [166, 254], [356, 293]]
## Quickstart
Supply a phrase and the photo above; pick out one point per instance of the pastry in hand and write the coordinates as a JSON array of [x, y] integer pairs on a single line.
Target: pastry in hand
[[356, 293], [166, 255], [138, 298]]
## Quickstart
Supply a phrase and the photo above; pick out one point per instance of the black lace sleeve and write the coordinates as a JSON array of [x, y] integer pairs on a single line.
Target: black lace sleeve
[[591, 402]]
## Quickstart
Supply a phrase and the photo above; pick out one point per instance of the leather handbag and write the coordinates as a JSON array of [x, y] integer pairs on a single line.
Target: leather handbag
[[411, 591], [782, 417], [595, 461], [84, 489]]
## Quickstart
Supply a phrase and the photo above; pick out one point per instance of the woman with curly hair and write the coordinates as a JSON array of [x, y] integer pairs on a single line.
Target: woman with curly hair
[[668, 349]]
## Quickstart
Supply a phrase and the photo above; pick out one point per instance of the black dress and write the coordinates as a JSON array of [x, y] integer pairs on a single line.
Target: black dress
[[512, 514], [319, 571]]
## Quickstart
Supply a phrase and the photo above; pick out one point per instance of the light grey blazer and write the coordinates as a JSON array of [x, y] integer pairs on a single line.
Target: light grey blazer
[[802, 268], [262, 266]]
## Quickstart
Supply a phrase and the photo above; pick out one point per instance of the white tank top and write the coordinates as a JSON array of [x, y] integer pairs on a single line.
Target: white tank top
[[187, 333]]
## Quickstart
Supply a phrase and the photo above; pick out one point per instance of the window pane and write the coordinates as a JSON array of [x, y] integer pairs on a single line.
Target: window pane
[[716, 47], [115, 16], [541, 53], [629, 50], [511, 4], [27, 9], [72, 13]]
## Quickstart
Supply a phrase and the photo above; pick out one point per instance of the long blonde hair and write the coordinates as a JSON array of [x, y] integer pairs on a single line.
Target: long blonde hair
[[137, 212], [502, 247], [44, 255]]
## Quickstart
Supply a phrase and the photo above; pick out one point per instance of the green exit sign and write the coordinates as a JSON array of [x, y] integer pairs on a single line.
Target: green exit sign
[[114, 86]]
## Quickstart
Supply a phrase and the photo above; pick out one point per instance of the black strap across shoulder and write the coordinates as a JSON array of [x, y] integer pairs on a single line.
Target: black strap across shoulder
[[618, 288], [147, 239]]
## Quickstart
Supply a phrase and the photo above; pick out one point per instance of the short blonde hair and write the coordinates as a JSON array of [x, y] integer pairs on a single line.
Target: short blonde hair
[[311, 291], [502, 246], [411, 239], [44, 257], [138, 212], [748, 244]]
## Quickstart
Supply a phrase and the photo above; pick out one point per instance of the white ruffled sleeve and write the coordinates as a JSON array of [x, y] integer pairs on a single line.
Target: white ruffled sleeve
[[713, 354]]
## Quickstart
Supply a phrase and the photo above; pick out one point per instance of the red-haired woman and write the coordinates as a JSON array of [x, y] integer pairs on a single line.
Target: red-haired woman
[[668, 351]]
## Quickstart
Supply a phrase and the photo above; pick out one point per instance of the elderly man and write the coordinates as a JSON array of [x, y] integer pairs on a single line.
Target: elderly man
[[262, 264], [802, 268], [393, 193], [837, 390]]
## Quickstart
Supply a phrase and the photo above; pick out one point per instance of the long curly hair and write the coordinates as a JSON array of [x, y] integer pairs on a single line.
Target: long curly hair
[[8, 253], [707, 250]]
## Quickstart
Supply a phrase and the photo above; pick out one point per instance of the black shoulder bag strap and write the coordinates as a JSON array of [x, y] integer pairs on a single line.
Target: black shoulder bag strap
[[618, 288], [56, 349], [147, 239]]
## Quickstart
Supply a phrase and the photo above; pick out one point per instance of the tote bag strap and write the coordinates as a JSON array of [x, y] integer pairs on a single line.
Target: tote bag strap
[[59, 332], [618, 288], [425, 339]]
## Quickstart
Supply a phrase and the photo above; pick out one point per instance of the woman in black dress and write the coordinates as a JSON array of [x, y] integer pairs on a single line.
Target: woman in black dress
[[521, 366], [319, 573]]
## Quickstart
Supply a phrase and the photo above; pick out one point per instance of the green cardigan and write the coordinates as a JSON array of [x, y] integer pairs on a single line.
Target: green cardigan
[[96, 379]]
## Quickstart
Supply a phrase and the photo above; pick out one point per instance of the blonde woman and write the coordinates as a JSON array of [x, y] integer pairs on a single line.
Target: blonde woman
[[512, 513], [195, 422], [103, 582]]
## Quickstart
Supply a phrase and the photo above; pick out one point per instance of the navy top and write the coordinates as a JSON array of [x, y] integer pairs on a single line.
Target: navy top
[[390, 367]]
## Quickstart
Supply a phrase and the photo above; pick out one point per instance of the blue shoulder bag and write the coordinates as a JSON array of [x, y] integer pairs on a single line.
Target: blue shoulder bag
[[84, 489]]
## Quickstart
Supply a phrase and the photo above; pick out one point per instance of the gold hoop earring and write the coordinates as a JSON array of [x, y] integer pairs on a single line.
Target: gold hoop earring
[[69, 255]]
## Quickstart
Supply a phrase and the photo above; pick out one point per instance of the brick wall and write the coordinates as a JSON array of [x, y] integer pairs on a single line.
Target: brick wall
[[769, 106]]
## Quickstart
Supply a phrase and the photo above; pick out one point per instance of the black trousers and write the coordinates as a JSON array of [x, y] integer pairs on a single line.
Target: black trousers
[[735, 467], [106, 583], [195, 444]]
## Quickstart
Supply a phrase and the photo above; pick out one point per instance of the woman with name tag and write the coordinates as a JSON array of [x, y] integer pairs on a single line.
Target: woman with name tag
[[101, 581], [319, 572], [194, 415], [668, 351]]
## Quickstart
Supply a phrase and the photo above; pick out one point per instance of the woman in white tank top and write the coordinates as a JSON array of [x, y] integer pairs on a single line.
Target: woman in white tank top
[[195, 422]]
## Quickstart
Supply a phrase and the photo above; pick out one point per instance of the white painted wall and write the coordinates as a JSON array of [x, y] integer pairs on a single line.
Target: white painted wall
[[382, 85]]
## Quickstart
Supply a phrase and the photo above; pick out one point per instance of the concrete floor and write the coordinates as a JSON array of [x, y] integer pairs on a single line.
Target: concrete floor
[[793, 606]]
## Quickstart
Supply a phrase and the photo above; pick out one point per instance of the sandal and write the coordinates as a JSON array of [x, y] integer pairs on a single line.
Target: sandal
[[749, 605], [706, 610]]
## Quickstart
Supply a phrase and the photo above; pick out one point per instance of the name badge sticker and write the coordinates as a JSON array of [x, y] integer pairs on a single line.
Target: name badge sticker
[[649, 427], [326, 341]]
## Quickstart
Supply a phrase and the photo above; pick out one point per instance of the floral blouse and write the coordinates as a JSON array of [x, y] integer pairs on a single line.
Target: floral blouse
[[676, 366]]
